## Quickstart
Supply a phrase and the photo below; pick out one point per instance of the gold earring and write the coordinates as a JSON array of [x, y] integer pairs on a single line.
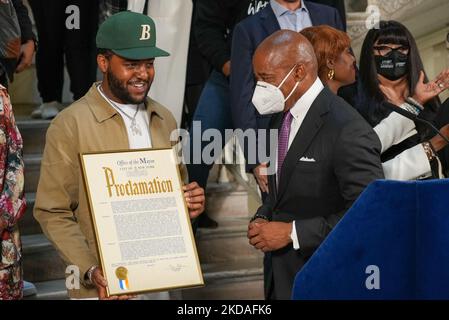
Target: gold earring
[[331, 74]]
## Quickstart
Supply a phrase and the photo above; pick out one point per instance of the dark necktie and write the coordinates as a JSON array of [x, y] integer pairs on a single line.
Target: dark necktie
[[284, 135]]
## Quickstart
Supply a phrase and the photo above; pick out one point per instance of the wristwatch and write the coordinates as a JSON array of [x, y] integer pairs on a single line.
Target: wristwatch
[[259, 216]]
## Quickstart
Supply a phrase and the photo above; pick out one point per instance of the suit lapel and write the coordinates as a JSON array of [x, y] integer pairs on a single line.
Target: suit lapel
[[314, 14], [269, 21], [306, 133], [276, 122]]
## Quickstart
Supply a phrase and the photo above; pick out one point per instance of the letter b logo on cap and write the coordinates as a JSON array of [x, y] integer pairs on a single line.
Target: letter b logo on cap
[[145, 32]]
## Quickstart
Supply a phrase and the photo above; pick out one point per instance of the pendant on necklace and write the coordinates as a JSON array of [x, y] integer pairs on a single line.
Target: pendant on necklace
[[135, 128]]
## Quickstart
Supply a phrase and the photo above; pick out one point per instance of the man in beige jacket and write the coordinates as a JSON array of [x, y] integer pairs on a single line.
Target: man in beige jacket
[[115, 114]]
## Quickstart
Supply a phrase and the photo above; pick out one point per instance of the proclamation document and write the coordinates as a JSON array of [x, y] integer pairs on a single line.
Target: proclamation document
[[141, 221]]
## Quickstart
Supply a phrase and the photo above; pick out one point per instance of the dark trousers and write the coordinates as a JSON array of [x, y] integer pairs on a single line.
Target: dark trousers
[[57, 42], [213, 112], [191, 98]]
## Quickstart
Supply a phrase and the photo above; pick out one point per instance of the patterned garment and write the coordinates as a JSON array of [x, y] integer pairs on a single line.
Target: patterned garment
[[12, 201]]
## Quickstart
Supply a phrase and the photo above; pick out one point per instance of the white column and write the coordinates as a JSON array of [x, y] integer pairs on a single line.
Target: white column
[[172, 18]]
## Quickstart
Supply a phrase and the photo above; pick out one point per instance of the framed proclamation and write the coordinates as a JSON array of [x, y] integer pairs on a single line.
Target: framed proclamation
[[142, 225]]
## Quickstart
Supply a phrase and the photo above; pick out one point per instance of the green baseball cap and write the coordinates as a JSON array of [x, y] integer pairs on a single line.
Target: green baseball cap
[[129, 35]]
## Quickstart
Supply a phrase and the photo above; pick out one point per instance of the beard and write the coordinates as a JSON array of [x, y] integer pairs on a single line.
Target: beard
[[119, 89]]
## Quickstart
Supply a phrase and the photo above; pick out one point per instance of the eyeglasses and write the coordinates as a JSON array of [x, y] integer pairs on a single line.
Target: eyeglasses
[[385, 50]]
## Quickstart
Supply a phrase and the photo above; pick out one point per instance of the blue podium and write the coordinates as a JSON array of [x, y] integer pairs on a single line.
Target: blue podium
[[392, 244]]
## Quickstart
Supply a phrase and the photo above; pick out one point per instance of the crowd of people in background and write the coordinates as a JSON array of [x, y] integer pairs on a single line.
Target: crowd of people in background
[[252, 65]]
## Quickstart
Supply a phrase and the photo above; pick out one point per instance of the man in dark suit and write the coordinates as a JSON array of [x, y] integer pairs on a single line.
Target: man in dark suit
[[248, 34], [337, 4], [326, 155]]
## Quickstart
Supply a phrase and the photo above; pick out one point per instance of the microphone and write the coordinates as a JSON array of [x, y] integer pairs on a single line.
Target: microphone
[[414, 117]]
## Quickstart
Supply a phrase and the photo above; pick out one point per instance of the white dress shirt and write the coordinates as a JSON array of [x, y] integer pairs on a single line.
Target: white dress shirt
[[299, 113], [301, 108], [291, 20]]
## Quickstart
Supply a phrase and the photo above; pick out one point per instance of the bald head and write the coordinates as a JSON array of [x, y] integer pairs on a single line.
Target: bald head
[[285, 48], [280, 53]]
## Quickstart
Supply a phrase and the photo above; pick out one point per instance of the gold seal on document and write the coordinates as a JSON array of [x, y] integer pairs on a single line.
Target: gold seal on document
[[121, 273]]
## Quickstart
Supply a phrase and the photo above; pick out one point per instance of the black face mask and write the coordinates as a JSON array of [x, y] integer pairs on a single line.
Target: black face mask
[[393, 66]]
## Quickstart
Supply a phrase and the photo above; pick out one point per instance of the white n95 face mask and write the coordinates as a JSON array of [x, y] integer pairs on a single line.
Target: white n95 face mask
[[269, 99]]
